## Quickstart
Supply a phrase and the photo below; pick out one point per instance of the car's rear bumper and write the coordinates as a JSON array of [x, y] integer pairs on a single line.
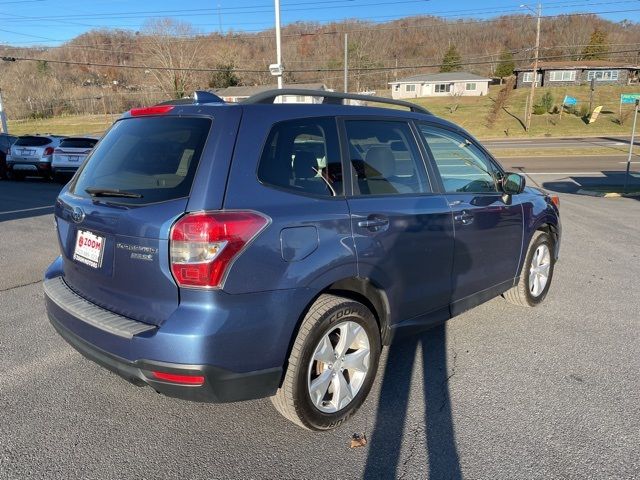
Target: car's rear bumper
[[29, 167], [219, 385]]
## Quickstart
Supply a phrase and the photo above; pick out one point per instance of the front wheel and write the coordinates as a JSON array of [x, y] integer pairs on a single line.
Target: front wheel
[[332, 364], [537, 273]]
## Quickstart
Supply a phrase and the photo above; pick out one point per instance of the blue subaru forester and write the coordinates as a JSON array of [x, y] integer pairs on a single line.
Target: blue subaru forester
[[223, 252]]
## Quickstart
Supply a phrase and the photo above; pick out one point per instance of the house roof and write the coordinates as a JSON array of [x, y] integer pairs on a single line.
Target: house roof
[[578, 64], [247, 91], [441, 77]]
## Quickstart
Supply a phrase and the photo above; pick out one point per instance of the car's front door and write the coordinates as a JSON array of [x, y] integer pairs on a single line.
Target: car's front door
[[403, 231], [487, 224]]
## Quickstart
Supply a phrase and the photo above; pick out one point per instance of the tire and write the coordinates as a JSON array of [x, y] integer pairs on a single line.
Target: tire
[[526, 293], [326, 321]]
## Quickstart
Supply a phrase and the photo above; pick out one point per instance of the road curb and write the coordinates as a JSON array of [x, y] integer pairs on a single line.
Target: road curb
[[593, 193]]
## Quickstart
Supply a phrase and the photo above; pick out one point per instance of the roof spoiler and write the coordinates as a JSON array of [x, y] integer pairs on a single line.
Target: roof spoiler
[[199, 97], [332, 98]]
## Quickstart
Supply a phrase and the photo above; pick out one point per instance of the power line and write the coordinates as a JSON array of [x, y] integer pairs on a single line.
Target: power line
[[307, 70]]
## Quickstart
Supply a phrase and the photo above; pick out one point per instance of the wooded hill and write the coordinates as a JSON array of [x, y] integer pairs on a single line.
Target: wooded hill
[[109, 71]]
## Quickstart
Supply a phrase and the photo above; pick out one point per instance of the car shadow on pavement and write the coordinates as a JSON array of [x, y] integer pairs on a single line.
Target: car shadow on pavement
[[30, 197], [437, 432], [609, 180]]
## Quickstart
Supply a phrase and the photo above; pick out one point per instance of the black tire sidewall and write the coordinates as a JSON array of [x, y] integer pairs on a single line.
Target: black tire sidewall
[[541, 239], [346, 311]]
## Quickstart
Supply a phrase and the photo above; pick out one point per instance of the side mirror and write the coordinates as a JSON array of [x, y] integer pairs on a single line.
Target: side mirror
[[513, 183]]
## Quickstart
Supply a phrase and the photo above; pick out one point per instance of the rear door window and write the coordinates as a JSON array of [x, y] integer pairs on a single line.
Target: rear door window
[[154, 157], [303, 156]]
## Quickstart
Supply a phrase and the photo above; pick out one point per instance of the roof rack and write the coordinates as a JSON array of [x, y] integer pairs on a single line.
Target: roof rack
[[199, 96], [333, 98]]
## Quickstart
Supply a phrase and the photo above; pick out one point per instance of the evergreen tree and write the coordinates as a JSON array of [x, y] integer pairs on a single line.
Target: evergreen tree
[[597, 48], [505, 65], [451, 62], [223, 78]]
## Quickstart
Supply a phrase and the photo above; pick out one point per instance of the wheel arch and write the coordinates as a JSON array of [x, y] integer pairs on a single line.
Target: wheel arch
[[359, 289]]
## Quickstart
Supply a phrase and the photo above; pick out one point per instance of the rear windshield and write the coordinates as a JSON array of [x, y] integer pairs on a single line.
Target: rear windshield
[[29, 141], [78, 143], [155, 157]]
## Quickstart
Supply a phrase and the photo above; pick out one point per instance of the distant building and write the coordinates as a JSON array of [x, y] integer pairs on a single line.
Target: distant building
[[439, 85], [237, 94], [567, 73]]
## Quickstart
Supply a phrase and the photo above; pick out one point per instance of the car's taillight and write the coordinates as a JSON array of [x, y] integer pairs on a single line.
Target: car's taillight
[[48, 151], [203, 245], [57, 151], [179, 378], [555, 199]]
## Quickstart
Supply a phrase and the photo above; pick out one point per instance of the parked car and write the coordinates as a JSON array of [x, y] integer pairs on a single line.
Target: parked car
[[31, 155], [69, 155], [6, 141], [213, 252]]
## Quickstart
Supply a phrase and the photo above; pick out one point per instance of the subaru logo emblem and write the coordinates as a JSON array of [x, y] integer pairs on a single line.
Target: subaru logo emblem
[[77, 215]]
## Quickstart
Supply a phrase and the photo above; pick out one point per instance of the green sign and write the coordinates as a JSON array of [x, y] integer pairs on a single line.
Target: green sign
[[629, 97]]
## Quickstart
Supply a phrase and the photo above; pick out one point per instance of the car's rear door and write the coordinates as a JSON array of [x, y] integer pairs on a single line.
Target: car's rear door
[[115, 245], [488, 225], [402, 228]]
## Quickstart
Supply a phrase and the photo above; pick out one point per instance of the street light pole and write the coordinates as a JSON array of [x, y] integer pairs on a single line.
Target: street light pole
[[535, 65], [3, 117], [278, 42]]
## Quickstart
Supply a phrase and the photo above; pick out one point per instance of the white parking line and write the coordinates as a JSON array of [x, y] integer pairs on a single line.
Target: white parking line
[[25, 210]]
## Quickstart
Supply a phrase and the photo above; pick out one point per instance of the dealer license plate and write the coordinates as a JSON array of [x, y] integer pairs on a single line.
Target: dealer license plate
[[89, 249]]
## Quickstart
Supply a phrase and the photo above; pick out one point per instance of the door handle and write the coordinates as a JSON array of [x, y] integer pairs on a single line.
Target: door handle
[[374, 223], [464, 217]]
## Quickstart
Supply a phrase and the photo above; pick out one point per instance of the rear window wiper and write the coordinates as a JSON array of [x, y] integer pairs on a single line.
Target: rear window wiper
[[110, 192]]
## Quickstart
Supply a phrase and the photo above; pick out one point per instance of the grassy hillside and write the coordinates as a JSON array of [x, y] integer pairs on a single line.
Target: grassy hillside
[[471, 113]]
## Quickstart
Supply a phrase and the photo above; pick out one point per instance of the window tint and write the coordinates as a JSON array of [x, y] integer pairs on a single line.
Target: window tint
[[384, 158], [32, 141], [303, 156], [155, 157], [78, 143], [462, 166]]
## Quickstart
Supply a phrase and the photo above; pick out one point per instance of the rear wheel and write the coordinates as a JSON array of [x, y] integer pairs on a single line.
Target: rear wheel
[[537, 273], [332, 364]]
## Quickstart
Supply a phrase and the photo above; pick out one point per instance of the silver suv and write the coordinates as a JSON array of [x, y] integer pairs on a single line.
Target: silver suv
[[31, 155], [69, 155]]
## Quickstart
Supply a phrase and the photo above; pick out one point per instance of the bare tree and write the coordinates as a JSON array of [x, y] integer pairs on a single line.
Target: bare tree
[[170, 44]]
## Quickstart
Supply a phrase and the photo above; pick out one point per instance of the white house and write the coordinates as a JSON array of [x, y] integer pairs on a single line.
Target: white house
[[439, 85]]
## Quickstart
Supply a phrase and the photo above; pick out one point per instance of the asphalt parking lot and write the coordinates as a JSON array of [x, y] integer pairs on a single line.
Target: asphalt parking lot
[[499, 392]]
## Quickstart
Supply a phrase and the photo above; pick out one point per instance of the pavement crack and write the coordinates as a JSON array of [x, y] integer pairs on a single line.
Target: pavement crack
[[20, 286], [445, 383], [415, 434]]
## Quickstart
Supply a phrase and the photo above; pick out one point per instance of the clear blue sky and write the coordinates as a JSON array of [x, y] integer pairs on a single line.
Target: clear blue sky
[[50, 22]]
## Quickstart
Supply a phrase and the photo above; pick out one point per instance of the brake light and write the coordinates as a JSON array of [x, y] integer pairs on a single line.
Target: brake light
[[555, 199], [177, 378], [156, 110], [57, 151], [204, 245], [48, 151]]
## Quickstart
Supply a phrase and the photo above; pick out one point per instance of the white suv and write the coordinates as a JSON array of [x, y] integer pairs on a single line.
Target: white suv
[[31, 155], [69, 155]]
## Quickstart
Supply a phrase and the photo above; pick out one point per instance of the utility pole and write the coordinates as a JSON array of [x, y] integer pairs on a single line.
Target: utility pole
[[633, 137], [535, 65], [3, 116], [278, 43], [346, 62]]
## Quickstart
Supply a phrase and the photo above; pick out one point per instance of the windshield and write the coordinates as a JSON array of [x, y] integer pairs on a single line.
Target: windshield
[[152, 157]]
